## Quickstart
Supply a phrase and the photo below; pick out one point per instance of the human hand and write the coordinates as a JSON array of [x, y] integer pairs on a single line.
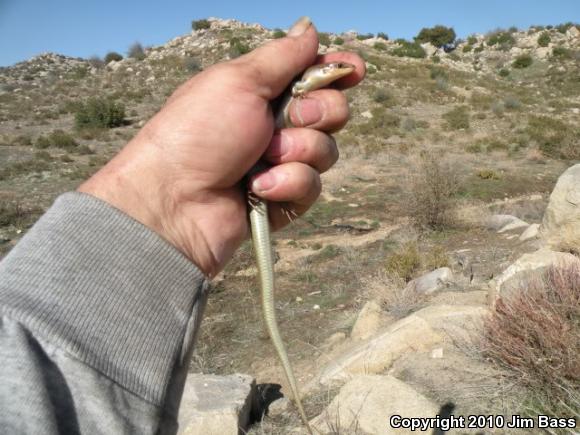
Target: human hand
[[181, 175]]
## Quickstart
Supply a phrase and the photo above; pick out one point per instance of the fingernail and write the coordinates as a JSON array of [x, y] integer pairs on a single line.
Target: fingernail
[[280, 145], [300, 26], [266, 181], [305, 112]]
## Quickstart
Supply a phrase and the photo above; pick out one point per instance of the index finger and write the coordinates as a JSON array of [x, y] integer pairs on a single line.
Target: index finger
[[354, 77]]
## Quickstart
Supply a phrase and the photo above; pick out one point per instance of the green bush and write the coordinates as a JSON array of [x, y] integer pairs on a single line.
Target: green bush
[[324, 38], [96, 62], [380, 96], [457, 118], [113, 56], [544, 39], [554, 137], [200, 24], [472, 40], [467, 48], [383, 35], [563, 28], [409, 49], [364, 36], [438, 35], [522, 61], [503, 72], [380, 46], [238, 48], [278, 33], [503, 39], [437, 72], [562, 52], [136, 51], [478, 49], [56, 139], [338, 41], [99, 113]]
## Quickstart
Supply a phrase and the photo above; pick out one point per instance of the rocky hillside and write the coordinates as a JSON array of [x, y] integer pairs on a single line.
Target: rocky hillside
[[389, 283]]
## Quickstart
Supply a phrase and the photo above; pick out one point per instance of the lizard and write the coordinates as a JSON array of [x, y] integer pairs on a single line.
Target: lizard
[[315, 77]]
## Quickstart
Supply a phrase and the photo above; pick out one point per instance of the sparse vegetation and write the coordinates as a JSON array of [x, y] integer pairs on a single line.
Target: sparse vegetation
[[338, 41], [278, 33], [57, 139], [502, 39], [554, 137], [364, 36], [324, 38], [405, 262], [383, 35], [99, 113], [535, 334]]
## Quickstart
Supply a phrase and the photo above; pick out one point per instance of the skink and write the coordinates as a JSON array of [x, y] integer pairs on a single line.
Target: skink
[[313, 78]]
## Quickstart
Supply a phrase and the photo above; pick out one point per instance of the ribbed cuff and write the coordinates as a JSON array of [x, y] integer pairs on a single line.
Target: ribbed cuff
[[106, 289]]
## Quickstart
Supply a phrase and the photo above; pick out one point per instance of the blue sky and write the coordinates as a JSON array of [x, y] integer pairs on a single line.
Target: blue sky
[[87, 27]]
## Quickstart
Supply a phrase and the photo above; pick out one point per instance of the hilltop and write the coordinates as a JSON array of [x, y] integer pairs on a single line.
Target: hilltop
[[442, 140]]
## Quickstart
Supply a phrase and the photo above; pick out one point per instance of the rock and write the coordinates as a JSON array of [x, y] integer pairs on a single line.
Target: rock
[[530, 233], [437, 353], [366, 403], [432, 281], [279, 407], [573, 33], [368, 321], [505, 222], [216, 405], [527, 267], [409, 334], [429, 48], [367, 114], [560, 227], [335, 339], [543, 52]]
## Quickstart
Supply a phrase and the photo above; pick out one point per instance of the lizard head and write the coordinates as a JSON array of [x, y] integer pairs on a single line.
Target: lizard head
[[319, 76]]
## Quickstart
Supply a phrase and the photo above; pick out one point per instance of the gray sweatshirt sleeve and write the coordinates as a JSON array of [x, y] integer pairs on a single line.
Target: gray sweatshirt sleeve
[[99, 315]]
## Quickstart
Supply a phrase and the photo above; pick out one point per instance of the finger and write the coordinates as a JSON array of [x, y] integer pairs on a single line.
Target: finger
[[273, 65], [325, 109], [303, 145], [354, 59], [292, 182]]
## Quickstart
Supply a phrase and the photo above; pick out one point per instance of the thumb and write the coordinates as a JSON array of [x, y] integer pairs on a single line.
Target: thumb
[[273, 66]]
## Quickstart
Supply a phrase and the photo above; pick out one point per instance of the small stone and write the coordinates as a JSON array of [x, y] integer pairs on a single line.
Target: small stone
[[316, 307], [299, 299], [437, 353], [278, 407]]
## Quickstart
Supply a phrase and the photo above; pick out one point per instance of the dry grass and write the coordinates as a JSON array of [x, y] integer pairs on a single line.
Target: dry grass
[[535, 333], [393, 293]]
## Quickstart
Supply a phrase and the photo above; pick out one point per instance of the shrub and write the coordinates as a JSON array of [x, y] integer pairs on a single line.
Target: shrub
[[278, 33], [409, 49], [380, 46], [563, 28], [478, 49], [457, 118], [113, 56], [503, 72], [200, 24], [324, 38], [191, 64], [488, 174], [544, 39], [433, 186], [562, 52], [438, 35], [467, 48], [522, 61], [534, 332], [338, 41], [99, 113], [57, 139], [383, 36], [472, 40], [405, 262], [554, 137], [136, 51], [503, 39], [380, 96], [436, 72], [238, 48], [364, 36], [96, 62]]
